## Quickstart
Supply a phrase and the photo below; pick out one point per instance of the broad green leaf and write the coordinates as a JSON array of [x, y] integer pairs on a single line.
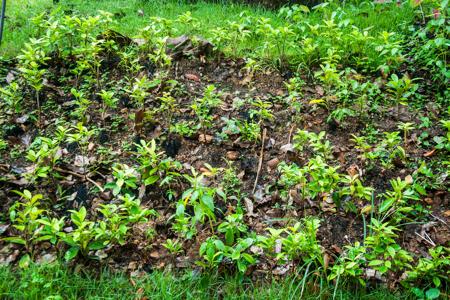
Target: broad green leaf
[[24, 261], [432, 294], [208, 201], [151, 180], [386, 204], [71, 253], [375, 262], [15, 240]]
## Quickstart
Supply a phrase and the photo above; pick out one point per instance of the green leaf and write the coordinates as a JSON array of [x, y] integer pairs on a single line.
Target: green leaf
[[229, 237], [123, 229], [97, 245], [236, 255], [120, 182], [391, 251], [432, 294], [15, 240], [386, 204], [418, 293], [437, 281], [375, 262], [24, 261], [71, 253], [116, 190], [250, 259], [241, 267], [110, 185], [151, 180], [208, 201]]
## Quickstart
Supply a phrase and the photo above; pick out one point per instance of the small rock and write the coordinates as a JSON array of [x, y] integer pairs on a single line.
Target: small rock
[[10, 77], [273, 163], [232, 155], [256, 250], [281, 270], [132, 266], [287, 148], [278, 246], [270, 143], [192, 77], [68, 229], [249, 207], [22, 120], [3, 228], [46, 258], [107, 195], [11, 258], [205, 138], [409, 179], [101, 254], [155, 255], [81, 161]]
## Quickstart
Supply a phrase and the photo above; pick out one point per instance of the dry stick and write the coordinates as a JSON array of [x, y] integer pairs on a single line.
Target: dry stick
[[439, 219], [290, 134], [261, 156], [80, 176], [426, 239]]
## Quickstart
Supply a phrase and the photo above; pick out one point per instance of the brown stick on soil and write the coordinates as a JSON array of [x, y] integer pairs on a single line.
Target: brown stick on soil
[[85, 177], [261, 156]]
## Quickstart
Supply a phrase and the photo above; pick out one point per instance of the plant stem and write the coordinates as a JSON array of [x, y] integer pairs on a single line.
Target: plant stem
[[39, 109]]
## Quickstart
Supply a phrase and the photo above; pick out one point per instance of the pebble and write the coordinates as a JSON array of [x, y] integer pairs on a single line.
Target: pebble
[[232, 155]]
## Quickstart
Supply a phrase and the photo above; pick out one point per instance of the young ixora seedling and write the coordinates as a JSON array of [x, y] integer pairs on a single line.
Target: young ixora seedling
[[82, 105], [200, 198], [232, 227], [24, 216], [406, 127], [109, 101], [173, 246], [31, 67], [44, 153], [203, 107], [401, 89], [12, 97]]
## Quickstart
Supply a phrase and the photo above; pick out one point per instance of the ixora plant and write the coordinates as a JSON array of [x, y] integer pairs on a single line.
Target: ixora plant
[[31, 67], [202, 107], [401, 89], [25, 216], [200, 197], [33, 225]]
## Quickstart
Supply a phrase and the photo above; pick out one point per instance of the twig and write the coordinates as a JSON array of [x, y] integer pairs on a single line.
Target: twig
[[69, 172], [428, 240], [439, 219], [85, 177], [290, 134], [94, 183], [261, 156]]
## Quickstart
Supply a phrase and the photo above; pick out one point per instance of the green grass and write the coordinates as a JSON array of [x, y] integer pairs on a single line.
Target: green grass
[[58, 282], [19, 25]]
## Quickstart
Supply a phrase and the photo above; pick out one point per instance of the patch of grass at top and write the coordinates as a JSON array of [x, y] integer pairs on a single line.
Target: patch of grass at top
[[127, 14], [132, 15]]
